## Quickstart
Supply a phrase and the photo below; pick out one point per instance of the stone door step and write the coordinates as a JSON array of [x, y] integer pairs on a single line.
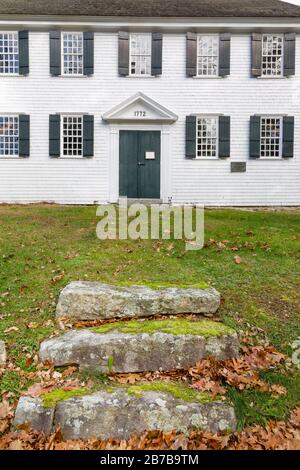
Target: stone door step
[[96, 301], [118, 415], [135, 346]]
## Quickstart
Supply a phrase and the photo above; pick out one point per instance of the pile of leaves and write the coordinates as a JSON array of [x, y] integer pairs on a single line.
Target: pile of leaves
[[275, 436]]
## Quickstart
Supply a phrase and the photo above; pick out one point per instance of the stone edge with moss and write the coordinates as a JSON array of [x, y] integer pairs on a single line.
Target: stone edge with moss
[[176, 390], [163, 285], [178, 326]]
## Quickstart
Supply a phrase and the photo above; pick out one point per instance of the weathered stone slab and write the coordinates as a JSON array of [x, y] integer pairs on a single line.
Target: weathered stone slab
[[3, 357], [120, 352], [31, 411], [118, 415], [92, 300]]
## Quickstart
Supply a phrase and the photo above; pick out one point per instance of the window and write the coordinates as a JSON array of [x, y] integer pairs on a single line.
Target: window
[[9, 136], [140, 54], [72, 57], [272, 55], [207, 137], [270, 142], [9, 53], [208, 56], [72, 136]]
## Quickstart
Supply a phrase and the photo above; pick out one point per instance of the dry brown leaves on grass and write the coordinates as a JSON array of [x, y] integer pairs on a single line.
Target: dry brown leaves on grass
[[276, 436], [210, 374]]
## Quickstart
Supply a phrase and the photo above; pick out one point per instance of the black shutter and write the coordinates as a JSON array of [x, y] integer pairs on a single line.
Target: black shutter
[[55, 53], [289, 54], [124, 53], [54, 135], [156, 64], [24, 135], [23, 53], [191, 54], [255, 136], [256, 54], [224, 136], [224, 54], [288, 137], [190, 136], [88, 136], [88, 53]]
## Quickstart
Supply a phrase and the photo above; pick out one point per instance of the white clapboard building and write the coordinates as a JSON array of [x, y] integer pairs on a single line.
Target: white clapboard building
[[182, 101]]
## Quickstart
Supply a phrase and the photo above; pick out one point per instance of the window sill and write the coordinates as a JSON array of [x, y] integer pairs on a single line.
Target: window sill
[[72, 158], [199, 77], [10, 75], [271, 78], [71, 76], [209, 159], [12, 158], [143, 76]]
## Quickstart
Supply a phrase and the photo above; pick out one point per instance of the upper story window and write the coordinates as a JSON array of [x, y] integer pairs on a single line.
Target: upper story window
[[208, 55], [9, 136], [72, 136], [207, 137], [72, 53], [270, 137], [272, 55], [140, 54], [9, 53]]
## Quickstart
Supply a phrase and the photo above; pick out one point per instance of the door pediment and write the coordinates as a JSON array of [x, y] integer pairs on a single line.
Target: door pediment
[[140, 108]]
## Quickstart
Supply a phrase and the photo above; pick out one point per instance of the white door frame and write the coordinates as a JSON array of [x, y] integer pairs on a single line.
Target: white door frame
[[165, 161]]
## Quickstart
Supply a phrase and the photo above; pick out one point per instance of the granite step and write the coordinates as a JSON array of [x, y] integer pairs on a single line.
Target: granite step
[[120, 413], [142, 346], [96, 301]]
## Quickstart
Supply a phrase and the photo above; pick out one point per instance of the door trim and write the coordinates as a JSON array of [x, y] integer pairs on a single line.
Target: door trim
[[165, 162]]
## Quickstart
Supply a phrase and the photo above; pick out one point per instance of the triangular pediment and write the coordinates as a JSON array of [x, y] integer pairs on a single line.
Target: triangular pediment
[[140, 108]]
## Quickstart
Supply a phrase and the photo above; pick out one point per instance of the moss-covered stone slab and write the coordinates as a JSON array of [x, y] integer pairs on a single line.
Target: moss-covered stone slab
[[93, 300], [120, 414], [124, 347]]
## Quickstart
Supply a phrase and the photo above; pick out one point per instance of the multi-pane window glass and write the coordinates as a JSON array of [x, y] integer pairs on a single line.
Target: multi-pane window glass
[[9, 136], [207, 57], [9, 53], [270, 144], [72, 53], [72, 136], [272, 55], [207, 136], [140, 54]]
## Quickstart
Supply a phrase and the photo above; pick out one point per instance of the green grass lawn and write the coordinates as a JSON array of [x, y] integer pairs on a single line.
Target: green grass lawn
[[44, 247]]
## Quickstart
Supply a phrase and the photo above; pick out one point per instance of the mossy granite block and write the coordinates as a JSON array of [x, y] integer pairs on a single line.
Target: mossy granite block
[[96, 301], [118, 414], [142, 346]]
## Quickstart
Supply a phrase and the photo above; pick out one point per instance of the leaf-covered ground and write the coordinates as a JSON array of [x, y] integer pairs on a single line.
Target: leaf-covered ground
[[252, 258]]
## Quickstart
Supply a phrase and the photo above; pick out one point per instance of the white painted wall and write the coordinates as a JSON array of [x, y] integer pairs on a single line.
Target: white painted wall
[[294, 2], [41, 178]]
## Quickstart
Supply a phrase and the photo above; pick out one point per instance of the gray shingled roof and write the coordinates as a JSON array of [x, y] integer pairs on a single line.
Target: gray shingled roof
[[151, 8]]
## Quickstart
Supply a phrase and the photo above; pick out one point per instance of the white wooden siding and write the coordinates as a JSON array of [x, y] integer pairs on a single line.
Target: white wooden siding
[[85, 181]]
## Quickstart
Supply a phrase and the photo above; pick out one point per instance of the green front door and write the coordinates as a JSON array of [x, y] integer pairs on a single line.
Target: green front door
[[140, 164]]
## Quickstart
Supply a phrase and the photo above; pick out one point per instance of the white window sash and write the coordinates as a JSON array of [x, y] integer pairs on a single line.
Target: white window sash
[[62, 118], [63, 73], [12, 155], [264, 75], [208, 116], [131, 55], [272, 157], [16, 73], [216, 75]]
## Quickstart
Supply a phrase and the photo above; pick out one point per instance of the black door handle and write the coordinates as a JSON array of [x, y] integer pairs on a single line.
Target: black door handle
[[141, 164]]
